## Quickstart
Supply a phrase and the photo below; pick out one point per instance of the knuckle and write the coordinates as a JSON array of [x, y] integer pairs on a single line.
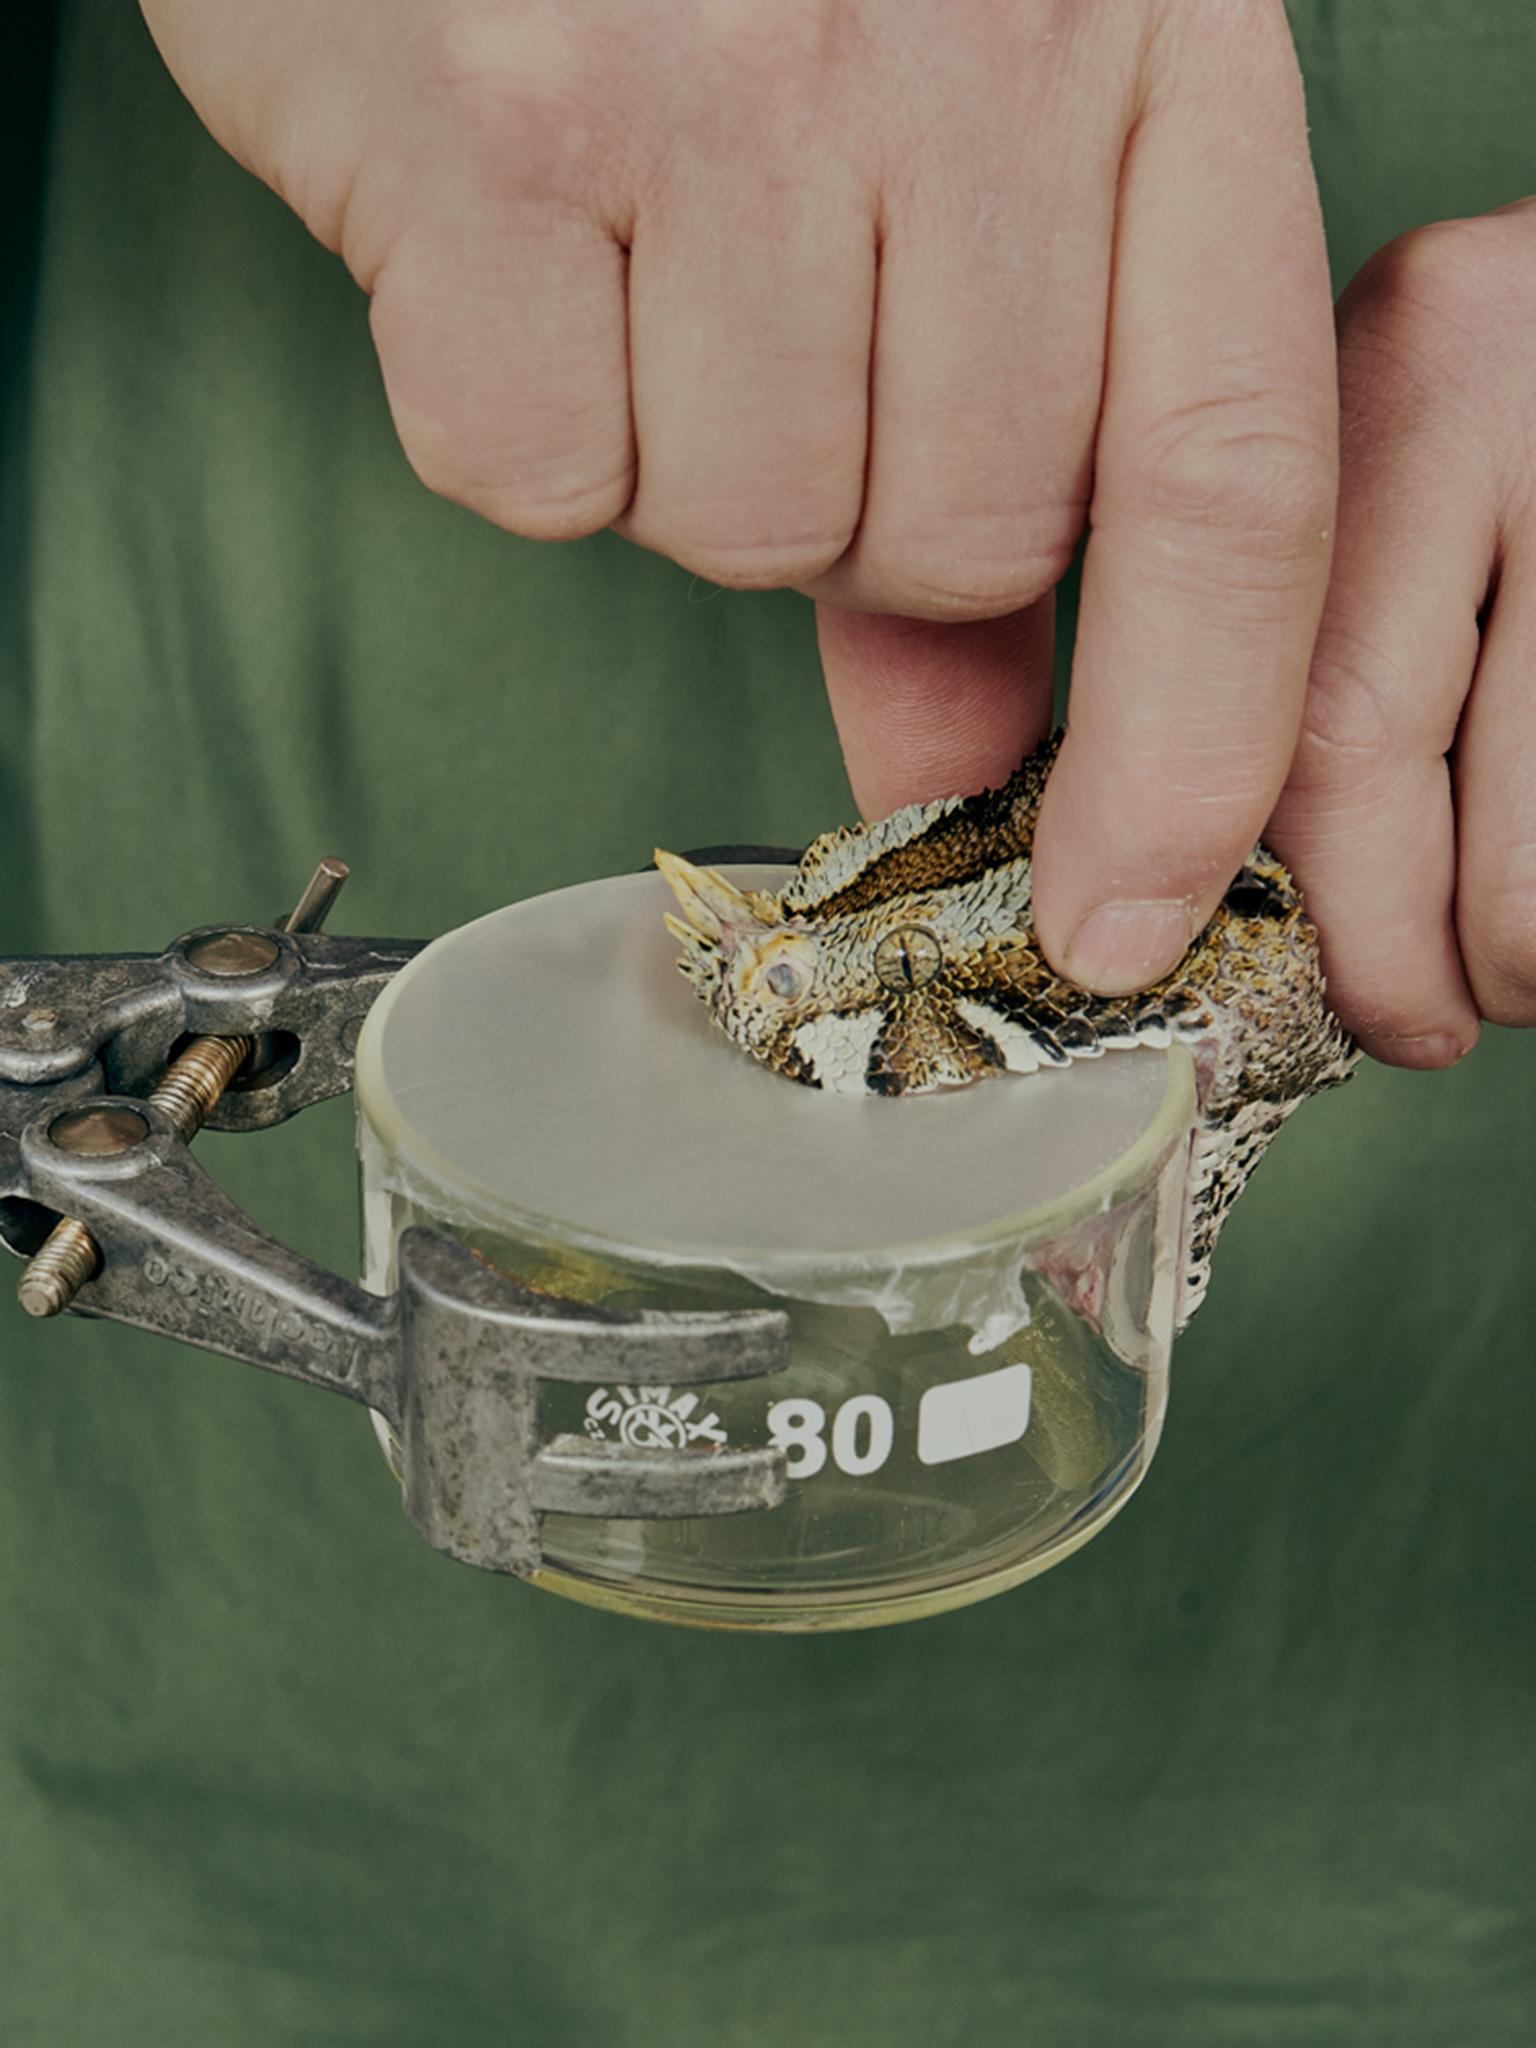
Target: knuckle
[[1359, 711], [1234, 477], [772, 39], [776, 563], [572, 514], [1431, 346], [481, 72], [1353, 693], [1432, 286], [536, 504], [1497, 925], [774, 519], [976, 566], [519, 93]]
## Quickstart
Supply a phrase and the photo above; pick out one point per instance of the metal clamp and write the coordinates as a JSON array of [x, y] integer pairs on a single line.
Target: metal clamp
[[92, 1132]]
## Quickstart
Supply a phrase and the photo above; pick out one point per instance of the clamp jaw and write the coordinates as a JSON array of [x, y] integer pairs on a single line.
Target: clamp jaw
[[99, 1059]]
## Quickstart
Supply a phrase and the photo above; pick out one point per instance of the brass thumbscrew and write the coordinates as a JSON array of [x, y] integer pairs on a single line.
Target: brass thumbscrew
[[187, 1094]]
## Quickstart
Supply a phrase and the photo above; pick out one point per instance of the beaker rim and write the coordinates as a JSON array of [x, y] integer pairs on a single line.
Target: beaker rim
[[449, 1188]]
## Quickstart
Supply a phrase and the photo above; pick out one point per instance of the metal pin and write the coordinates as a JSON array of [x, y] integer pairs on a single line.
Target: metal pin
[[188, 1094], [314, 906]]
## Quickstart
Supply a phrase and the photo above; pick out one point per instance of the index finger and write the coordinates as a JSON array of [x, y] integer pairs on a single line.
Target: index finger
[[1212, 512]]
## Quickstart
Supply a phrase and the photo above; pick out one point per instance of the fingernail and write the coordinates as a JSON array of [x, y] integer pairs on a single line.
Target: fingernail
[[1125, 946], [1428, 1049]]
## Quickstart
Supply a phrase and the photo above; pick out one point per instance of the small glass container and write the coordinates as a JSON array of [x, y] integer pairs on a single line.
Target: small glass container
[[980, 1283]]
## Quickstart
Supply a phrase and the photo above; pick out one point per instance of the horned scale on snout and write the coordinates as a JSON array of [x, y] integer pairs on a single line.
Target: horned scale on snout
[[900, 957]]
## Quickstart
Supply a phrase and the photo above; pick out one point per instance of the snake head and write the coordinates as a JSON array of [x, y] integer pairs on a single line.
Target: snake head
[[883, 999]]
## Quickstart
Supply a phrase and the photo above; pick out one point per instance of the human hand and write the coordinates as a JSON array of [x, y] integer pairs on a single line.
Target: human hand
[[829, 293], [1410, 812]]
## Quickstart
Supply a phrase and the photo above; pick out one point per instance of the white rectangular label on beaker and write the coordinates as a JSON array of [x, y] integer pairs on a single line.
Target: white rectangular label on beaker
[[962, 1418]]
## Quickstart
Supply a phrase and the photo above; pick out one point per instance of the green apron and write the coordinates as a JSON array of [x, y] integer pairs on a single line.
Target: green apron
[[1255, 1768]]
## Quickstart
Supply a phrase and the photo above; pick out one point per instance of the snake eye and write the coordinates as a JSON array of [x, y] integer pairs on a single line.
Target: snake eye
[[784, 980], [908, 957]]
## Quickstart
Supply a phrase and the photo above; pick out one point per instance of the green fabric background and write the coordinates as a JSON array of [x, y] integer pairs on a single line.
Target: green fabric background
[[1253, 1770]]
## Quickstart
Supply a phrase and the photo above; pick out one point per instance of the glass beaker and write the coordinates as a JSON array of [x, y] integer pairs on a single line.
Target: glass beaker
[[980, 1283]]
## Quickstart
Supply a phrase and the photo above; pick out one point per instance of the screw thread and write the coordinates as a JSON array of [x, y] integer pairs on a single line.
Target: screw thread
[[191, 1088], [197, 1078], [56, 1273], [187, 1095]]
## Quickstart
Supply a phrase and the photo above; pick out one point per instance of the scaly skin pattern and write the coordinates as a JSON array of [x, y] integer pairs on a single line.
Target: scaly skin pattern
[[900, 957]]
